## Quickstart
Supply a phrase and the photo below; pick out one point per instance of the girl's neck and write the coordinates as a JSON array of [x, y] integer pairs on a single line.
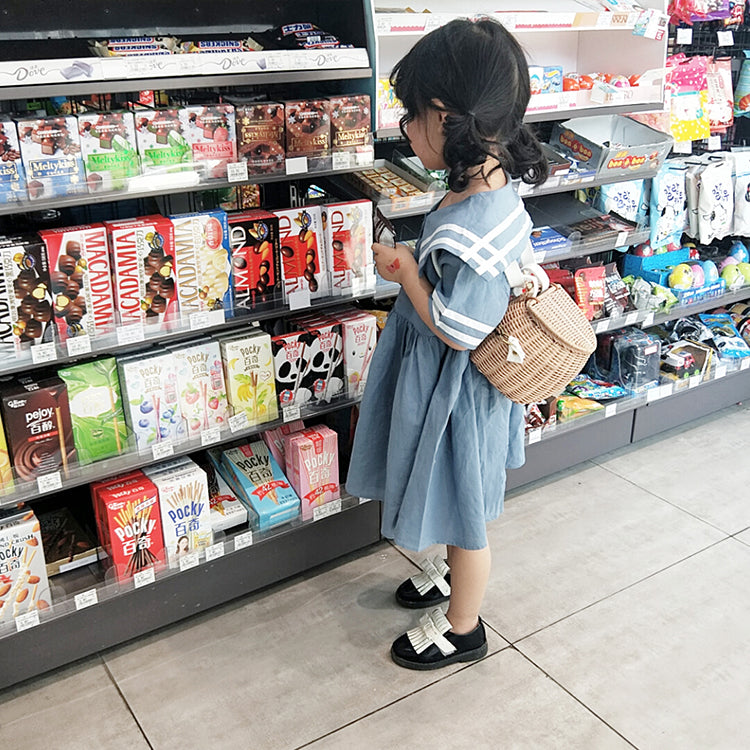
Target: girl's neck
[[479, 183]]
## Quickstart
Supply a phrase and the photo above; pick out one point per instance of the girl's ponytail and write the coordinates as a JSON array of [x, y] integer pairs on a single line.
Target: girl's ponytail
[[526, 158]]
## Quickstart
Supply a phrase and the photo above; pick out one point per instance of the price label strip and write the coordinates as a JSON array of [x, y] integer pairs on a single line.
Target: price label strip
[[327, 509], [215, 551], [86, 599], [49, 482], [241, 541], [292, 413], [43, 353], [237, 171], [162, 450], [78, 346], [27, 621], [239, 422], [130, 334], [144, 578], [210, 436], [189, 561], [535, 436]]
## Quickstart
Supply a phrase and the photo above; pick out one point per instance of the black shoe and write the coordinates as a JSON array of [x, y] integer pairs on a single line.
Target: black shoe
[[432, 645], [428, 588]]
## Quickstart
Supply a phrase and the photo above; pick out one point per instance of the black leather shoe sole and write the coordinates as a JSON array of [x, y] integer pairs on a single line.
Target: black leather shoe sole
[[408, 596]]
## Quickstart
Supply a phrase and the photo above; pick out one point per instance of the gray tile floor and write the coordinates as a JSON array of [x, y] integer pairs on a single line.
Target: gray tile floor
[[619, 606]]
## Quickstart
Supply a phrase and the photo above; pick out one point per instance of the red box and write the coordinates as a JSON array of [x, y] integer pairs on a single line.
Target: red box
[[348, 233], [260, 137], [308, 127]]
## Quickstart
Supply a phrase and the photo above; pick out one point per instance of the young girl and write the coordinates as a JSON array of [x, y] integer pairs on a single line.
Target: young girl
[[434, 437]]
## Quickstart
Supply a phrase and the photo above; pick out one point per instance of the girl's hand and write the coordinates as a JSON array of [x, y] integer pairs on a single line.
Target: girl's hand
[[394, 263]]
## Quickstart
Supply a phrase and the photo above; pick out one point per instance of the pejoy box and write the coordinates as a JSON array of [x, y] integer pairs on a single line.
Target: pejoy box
[[23, 575], [109, 150], [162, 145], [83, 303], [202, 262], [210, 132], [144, 268], [12, 175], [51, 153], [256, 267], [303, 257], [260, 137], [348, 234]]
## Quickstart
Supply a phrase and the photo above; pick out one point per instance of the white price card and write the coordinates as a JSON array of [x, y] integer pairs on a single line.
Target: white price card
[[190, 560], [49, 482], [243, 540], [631, 318], [653, 394], [720, 372], [299, 300], [86, 599], [26, 621], [714, 143], [237, 171], [78, 346], [130, 334], [162, 450], [144, 577], [666, 390], [685, 36], [682, 147], [745, 364], [291, 412], [43, 353], [199, 320], [694, 381], [341, 160], [648, 320], [535, 436], [365, 156], [601, 326], [610, 410], [296, 165], [327, 509], [725, 38], [239, 422], [215, 551], [210, 436], [622, 239]]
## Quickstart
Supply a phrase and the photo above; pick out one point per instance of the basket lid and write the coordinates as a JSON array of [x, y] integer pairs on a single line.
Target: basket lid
[[562, 320]]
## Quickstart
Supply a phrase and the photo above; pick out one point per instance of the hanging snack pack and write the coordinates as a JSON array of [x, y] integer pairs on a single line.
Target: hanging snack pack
[[688, 113], [716, 202], [720, 95], [742, 90], [626, 199], [668, 205], [590, 290]]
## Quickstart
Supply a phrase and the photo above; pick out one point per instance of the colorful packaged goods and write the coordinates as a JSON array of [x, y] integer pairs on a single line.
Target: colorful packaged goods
[[51, 153], [226, 510], [359, 331], [210, 131], [161, 141], [290, 361], [99, 429], [348, 234], [12, 175], [38, 427], [274, 439], [324, 374], [260, 137], [308, 130], [67, 545], [81, 282], [109, 150], [23, 576], [350, 122]]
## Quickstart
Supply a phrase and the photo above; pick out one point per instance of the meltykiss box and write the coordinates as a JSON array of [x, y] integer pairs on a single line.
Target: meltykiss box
[[351, 124], [348, 234], [12, 175], [260, 137], [210, 131], [162, 145], [109, 150]]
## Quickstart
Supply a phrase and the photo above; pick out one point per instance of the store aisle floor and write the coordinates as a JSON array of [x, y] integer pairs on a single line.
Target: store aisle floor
[[619, 607]]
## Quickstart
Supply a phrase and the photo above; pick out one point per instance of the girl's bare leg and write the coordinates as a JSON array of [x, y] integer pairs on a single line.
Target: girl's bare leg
[[470, 572]]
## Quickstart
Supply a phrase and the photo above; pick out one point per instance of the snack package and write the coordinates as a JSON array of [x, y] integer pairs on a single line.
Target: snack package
[[591, 290], [624, 199], [688, 110], [668, 205], [261, 137], [585, 387], [742, 89], [324, 375], [693, 191], [109, 150], [350, 122], [274, 439], [308, 131], [616, 295], [572, 407], [716, 202], [226, 510], [359, 331], [6, 473], [291, 359], [210, 131], [12, 174], [720, 94], [66, 544], [161, 141], [296, 36], [726, 338]]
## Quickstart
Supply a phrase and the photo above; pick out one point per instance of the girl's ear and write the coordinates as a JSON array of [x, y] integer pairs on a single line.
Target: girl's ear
[[441, 110]]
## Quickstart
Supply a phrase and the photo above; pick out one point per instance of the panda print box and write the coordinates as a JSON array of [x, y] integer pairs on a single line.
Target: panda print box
[[324, 372]]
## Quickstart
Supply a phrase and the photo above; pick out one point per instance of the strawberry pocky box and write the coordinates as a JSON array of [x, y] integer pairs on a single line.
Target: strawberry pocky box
[[274, 439], [81, 283], [210, 131], [143, 257], [359, 332], [109, 150], [348, 235], [162, 145]]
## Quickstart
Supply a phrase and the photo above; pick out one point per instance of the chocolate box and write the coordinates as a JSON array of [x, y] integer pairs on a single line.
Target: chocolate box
[[161, 142], [80, 280], [12, 174], [109, 150], [51, 153], [143, 259], [351, 124], [66, 544], [256, 260], [308, 127], [348, 236], [210, 131], [38, 426], [260, 137]]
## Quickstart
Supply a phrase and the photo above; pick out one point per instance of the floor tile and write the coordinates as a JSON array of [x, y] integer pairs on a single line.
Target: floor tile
[[502, 702], [698, 467], [282, 668], [74, 707], [744, 536], [664, 662]]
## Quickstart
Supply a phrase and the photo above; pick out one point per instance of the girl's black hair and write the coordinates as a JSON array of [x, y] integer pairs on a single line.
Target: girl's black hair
[[480, 74]]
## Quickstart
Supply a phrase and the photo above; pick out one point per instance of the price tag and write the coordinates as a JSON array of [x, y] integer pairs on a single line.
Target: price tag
[[610, 410], [714, 143], [721, 371], [601, 326], [79, 345], [365, 156], [43, 353], [237, 171], [243, 540], [725, 38], [653, 394], [86, 599], [199, 320], [130, 334], [215, 551], [648, 320], [694, 381], [666, 390], [631, 318], [299, 300], [210, 436], [49, 482], [535, 436], [745, 364], [296, 165], [291, 412], [144, 578], [327, 509], [682, 147], [27, 621], [622, 239], [162, 450], [685, 36], [239, 422], [603, 20], [190, 560], [341, 160]]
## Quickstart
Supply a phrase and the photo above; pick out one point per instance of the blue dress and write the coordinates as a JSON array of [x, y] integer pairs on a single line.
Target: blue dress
[[434, 438]]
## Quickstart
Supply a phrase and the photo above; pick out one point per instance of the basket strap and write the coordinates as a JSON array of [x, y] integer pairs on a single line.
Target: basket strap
[[525, 275]]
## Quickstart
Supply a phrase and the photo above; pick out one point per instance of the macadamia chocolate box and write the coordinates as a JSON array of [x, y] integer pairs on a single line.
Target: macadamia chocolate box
[[109, 150]]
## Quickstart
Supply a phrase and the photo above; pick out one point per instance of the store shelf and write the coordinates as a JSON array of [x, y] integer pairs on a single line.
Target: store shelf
[[572, 181], [581, 249], [65, 634], [544, 115]]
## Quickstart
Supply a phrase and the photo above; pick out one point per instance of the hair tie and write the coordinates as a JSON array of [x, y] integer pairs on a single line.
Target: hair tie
[[471, 114]]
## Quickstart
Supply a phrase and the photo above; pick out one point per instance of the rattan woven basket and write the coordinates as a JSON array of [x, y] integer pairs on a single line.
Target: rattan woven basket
[[556, 339]]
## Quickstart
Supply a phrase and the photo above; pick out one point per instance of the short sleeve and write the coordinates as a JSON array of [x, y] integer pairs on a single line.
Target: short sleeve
[[466, 307]]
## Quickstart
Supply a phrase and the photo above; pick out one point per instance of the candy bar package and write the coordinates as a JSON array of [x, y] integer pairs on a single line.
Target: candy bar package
[[12, 174], [291, 360], [185, 509], [274, 439], [81, 282], [350, 122], [296, 36], [303, 255], [260, 137], [349, 236], [308, 130], [202, 262], [324, 375], [591, 290], [6, 473], [260, 482], [226, 510], [249, 375], [210, 131], [359, 332], [256, 260], [66, 544], [109, 150], [99, 429], [26, 317], [143, 258], [161, 141], [51, 153], [38, 427], [200, 380], [130, 523], [314, 458], [151, 400], [23, 576]]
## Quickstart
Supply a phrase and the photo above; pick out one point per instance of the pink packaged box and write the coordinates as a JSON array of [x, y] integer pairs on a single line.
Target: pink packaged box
[[274, 439], [359, 331]]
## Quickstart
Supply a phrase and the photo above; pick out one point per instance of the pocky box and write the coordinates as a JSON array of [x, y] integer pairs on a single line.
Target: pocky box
[[109, 150], [256, 265], [291, 359], [324, 374], [161, 142], [99, 429], [274, 439], [38, 426], [303, 257], [260, 137], [202, 262], [249, 375], [143, 257], [12, 174], [348, 242], [210, 131], [81, 282], [351, 123], [23, 576], [359, 332], [51, 153]]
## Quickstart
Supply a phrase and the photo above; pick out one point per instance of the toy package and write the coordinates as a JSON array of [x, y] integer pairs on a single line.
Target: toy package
[[109, 150], [598, 390], [629, 357], [716, 202], [685, 359], [668, 205], [726, 338]]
